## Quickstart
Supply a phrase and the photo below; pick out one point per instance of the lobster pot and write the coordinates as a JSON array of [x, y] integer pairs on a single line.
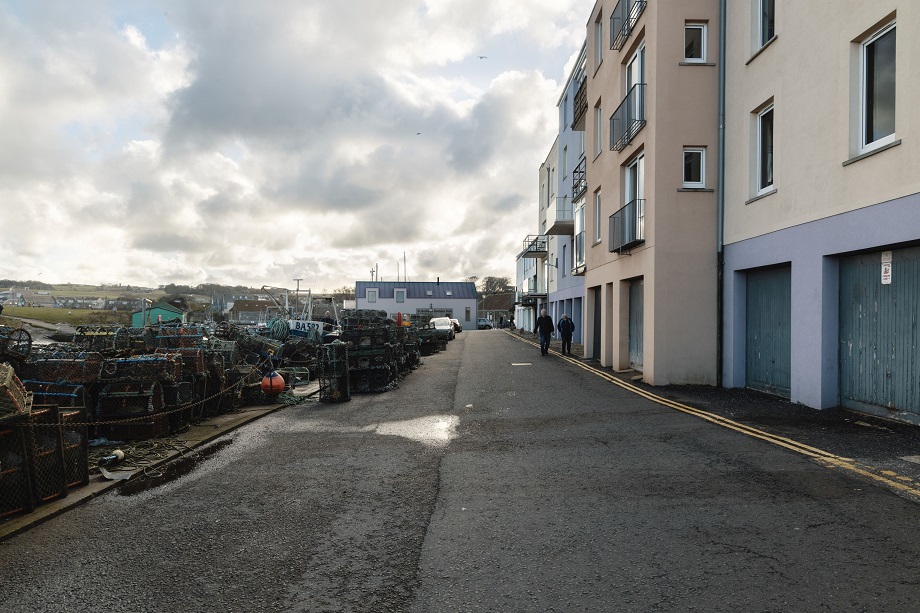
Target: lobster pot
[[15, 492], [192, 359], [376, 379], [442, 345], [176, 397], [15, 399], [199, 394], [67, 367], [366, 337], [131, 411], [45, 450], [141, 339], [268, 348], [75, 441], [369, 358], [229, 349], [104, 339], [215, 384], [238, 378], [15, 343], [333, 376], [166, 367], [180, 337], [62, 394]]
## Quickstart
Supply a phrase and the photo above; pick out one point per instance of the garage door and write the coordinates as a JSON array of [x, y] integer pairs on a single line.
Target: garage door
[[879, 338], [768, 334]]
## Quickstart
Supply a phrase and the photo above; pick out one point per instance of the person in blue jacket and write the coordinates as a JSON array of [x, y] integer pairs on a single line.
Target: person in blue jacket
[[545, 328], [566, 329]]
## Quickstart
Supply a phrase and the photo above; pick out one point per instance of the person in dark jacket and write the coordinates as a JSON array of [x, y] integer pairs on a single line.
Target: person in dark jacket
[[545, 328], [566, 329]]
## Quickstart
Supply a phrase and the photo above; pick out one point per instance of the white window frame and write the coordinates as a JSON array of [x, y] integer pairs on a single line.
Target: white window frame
[[864, 146], [598, 130], [599, 39], [634, 189], [761, 186], [371, 295], [597, 216], [695, 25], [399, 293], [694, 184]]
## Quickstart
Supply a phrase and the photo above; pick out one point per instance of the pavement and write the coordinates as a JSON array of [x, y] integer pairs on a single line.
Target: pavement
[[881, 451]]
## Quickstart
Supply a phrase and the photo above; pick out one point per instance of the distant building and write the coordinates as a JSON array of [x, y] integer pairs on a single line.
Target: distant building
[[253, 311], [159, 312], [423, 299], [496, 307]]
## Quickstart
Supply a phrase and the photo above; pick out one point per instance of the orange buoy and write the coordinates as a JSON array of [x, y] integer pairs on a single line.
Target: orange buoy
[[273, 383]]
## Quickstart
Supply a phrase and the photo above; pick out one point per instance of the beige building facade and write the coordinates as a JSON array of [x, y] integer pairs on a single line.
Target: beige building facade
[[650, 116], [822, 203]]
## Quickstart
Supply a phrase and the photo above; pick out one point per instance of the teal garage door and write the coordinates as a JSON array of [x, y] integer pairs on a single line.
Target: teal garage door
[[879, 338], [768, 335]]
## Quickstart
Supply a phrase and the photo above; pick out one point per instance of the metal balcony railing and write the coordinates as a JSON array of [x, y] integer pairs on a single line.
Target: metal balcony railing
[[580, 105], [628, 119], [579, 179], [623, 21], [627, 226], [534, 246]]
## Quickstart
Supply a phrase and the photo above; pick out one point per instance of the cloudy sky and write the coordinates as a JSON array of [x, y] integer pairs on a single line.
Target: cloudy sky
[[252, 142]]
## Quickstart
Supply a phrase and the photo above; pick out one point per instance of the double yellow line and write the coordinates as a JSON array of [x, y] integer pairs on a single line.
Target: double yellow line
[[891, 479]]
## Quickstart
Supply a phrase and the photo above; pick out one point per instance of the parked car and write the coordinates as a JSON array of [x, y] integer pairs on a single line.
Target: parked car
[[458, 327], [483, 324], [444, 324]]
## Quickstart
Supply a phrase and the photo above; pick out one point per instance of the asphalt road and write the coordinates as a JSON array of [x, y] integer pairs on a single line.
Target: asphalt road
[[493, 479]]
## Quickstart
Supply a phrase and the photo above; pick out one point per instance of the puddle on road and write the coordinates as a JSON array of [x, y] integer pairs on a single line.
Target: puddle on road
[[432, 430], [171, 471]]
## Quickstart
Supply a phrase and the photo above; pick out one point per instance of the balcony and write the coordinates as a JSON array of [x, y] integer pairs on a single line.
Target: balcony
[[628, 119], [579, 179], [578, 266], [580, 105], [560, 217], [627, 227], [534, 247], [623, 21], [533, 290]]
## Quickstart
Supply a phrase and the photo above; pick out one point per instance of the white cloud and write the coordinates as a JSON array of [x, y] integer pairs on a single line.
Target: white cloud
[[250, 143]]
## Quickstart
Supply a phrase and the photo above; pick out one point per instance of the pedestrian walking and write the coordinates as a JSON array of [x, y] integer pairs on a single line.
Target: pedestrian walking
[[566, 329], [545, 328]]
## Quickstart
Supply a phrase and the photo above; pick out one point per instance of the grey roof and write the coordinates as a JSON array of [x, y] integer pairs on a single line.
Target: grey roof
[[420, 289]]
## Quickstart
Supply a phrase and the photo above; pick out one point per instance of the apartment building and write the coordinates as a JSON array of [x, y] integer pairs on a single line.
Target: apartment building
[[822, 203], [532, 261], [649, 112]]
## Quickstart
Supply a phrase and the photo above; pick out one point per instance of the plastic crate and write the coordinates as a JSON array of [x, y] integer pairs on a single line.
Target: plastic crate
[[15, 399]]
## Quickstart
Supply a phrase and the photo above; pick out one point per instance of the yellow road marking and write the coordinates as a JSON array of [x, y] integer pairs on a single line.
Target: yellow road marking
[[825, 458]]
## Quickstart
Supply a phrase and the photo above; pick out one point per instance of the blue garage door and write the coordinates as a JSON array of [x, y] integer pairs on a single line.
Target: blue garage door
[[768, 330], [879, 337]]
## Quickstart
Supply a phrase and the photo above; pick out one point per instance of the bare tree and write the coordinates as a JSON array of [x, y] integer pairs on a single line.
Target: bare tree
[[494, 285]]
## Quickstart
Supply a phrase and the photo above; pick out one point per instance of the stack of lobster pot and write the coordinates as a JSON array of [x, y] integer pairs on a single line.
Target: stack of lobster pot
[[15, 344], [428, 339], [334, 383], [57, 374], [372, 354], [191, 389], [131, 403]]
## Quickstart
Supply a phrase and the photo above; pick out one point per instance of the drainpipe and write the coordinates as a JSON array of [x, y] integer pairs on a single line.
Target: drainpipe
[[720, 199]]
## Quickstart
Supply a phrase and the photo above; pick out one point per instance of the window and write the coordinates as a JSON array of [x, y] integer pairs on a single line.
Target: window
[[635, 193], [563, 260], [694, 167], [695, 42], [372, 295], [599, 40], [565, 162], [598, 125], [400, 295], [878, 90], [767, 21], [467, 313], [597, 216], [765, 150]]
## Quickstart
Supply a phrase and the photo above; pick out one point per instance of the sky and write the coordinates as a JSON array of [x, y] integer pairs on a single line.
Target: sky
[[245, 142]]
